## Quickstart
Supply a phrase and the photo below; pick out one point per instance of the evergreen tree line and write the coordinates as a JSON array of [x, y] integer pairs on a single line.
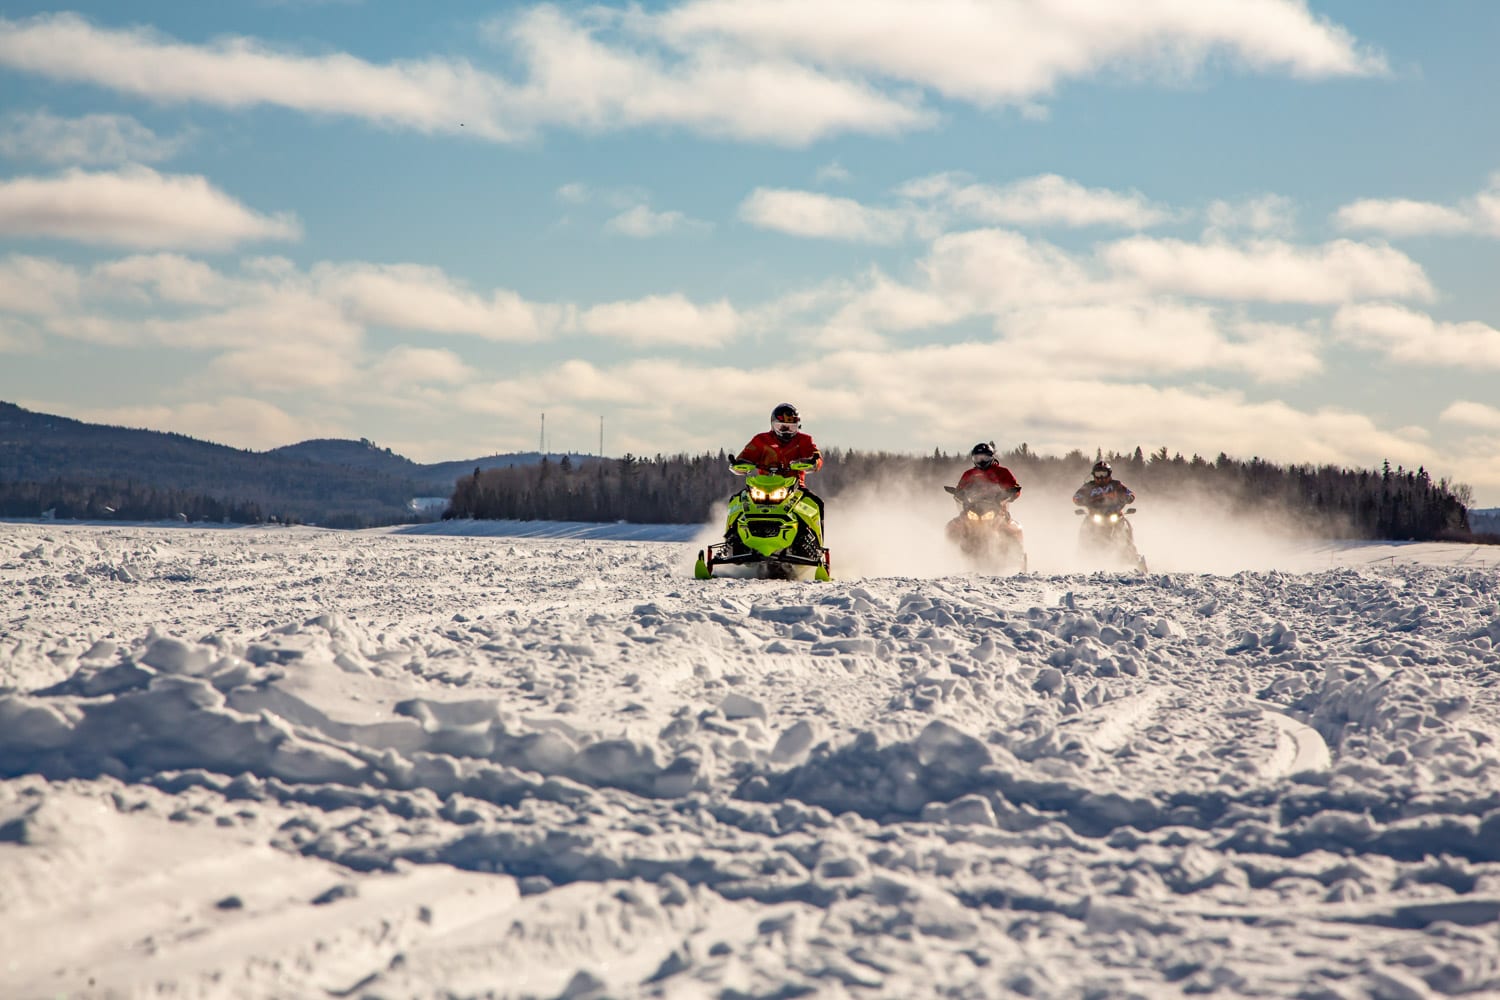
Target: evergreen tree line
[[120, 501], [1331, 501]]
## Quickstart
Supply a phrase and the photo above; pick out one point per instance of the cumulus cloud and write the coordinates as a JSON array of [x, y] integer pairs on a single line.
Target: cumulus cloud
[[417, 297], [642, 222], [1406, 217], [782, 71], [663, 319], [134, 207], [927, 205], [1269, 214], [426, 95], [1402, 217], [36, 286], [834, 172], [1152, 339], [821, 216], [569, 79], [1472, 414], [1269, 270], [1045, 200], [996, 53], [1411, 337], [88, 140], [403, 366], [164, 278], [285, 366]]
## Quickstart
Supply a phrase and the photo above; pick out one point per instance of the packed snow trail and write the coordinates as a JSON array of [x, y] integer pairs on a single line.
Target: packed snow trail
[[290, 761]]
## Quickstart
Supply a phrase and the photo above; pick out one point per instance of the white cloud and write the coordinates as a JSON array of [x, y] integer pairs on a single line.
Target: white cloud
[[1011, 53], [165, 278], [89, 140], [994, 270], [286, 366], [1269, 270], [134, 207], [1151, 339], [834, 172], [426, 95], [821, 216], [1043, 200], [663, 319], [1402, 217], [642, 222], [1269, 214], [577, 79], [417, 297], [933, 202], [1415, 338], [36, 285], [781, 71], [404, 366], [886, 305], [1406, 217], [1472, 414], [571, 79]]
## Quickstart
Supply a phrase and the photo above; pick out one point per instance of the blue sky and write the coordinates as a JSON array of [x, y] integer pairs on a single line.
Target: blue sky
[[1262, 227]]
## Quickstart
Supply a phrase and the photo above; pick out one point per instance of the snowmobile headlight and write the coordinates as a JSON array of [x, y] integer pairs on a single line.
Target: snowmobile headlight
[[988, 515], [1113, 518], [767, 496], [1098, 518], [971, 515]]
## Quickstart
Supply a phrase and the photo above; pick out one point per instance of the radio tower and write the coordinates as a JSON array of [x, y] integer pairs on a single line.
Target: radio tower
[[541, 440]]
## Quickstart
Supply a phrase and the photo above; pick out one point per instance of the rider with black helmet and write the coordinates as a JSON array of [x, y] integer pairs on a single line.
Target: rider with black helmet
[[782, 445], [987, 473], [1103, 491]]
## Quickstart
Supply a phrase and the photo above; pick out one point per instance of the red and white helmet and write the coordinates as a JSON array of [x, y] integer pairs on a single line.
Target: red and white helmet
[[785, 421]]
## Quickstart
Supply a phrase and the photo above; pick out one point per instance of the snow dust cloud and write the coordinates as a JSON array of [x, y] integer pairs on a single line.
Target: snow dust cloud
[[896, 528]]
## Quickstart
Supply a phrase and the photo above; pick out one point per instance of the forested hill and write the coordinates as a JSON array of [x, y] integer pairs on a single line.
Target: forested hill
[[436, 479], [1335, 502], [97, 471]]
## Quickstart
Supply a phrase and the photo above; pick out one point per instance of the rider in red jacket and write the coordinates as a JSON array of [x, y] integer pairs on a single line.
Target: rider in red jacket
[[783, 444], [988, 474]]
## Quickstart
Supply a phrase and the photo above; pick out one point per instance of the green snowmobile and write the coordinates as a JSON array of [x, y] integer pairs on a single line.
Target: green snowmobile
[[773, 524]]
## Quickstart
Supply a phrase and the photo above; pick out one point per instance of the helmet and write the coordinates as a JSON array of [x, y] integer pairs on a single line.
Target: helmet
[[983, 455], [785, 421], [1102, 468]]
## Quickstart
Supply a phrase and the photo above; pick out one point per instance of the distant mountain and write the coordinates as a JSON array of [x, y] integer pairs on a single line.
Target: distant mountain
[[334, 482], [366, 454]]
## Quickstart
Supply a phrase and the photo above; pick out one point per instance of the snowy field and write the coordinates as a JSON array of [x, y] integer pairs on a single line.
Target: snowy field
[[460, 761]]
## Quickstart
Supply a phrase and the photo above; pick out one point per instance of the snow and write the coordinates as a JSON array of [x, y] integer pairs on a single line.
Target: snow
[[526, 760]]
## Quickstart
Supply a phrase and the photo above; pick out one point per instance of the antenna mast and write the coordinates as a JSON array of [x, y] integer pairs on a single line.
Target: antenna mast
[[541, 440], [601, 435]]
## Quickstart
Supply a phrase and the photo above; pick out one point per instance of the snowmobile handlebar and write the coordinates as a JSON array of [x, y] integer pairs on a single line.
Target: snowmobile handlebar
[[746, 468]]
